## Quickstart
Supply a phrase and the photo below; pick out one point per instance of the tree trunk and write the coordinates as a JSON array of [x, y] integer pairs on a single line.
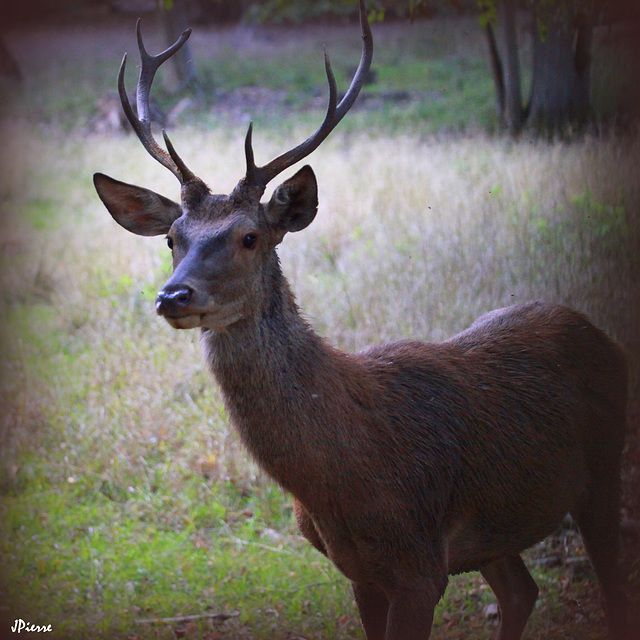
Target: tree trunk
[[182, 67], [561, 66], [496, 70], [513, 115], [506, 68], [8, 66]]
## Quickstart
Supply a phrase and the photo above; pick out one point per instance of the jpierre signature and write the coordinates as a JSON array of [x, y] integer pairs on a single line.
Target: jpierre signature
[[20, 625]]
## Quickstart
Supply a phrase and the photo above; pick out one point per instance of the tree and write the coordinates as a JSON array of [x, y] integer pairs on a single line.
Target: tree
[[183, 68], [8, 66], [562, 35]]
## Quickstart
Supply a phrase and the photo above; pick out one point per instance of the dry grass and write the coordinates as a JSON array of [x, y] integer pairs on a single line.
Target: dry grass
[[416, 238], [413, 239]]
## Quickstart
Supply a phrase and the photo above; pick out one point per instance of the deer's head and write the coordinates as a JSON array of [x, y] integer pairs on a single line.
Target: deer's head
[[223, 245]]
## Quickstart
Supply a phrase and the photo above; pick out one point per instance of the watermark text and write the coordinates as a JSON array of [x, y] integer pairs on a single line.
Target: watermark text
[[20, 625]]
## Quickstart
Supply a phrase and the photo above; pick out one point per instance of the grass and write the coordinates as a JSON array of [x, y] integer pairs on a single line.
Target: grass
[[126, 495]]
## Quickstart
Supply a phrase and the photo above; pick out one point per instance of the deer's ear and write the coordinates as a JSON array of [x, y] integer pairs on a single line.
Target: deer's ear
[[138, 210], [294, 203]]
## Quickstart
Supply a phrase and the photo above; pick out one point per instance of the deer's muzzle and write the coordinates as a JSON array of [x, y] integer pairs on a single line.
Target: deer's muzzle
[[174, 300]]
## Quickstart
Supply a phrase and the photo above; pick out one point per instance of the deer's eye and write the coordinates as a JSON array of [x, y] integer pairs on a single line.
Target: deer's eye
[[249, 241], [169, 243]]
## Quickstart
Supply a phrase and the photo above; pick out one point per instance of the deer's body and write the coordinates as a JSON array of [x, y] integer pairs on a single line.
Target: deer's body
[[507, 423], [408, 461]]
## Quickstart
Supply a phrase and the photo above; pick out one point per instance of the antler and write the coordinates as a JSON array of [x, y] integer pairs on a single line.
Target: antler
[[142, 122], [260, 176]]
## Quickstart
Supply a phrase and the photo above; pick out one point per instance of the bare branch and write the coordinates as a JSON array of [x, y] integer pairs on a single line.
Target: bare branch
[[201, 616]]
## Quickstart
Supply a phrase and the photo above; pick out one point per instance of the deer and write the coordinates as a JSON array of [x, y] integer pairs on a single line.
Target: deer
[[408, 462]]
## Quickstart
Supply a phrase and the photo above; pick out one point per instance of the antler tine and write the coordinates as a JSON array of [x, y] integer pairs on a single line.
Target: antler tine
[[248, 153], [335, 112], [141, 122]]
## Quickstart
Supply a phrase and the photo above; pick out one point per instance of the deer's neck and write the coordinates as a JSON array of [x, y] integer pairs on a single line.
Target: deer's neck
[[273, 372]]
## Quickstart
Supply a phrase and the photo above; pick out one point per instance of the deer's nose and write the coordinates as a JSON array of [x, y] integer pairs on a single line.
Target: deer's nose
[[173, 299]]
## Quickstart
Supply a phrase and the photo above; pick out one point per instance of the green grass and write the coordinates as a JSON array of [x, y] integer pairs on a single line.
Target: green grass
[[126, 494], [115, 562]]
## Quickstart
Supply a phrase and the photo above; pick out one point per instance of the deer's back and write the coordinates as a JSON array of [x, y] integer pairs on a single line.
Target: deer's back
[[534, 370]]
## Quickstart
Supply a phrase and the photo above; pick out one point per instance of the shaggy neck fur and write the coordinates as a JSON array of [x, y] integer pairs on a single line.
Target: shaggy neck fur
[[271, 369]]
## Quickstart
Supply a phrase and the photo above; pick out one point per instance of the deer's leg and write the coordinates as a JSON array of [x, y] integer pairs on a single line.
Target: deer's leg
[[599, 523], [411, 611], [373, 606], [516, 592]]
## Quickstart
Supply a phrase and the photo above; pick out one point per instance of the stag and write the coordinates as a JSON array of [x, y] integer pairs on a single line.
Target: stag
[[409, 461]]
